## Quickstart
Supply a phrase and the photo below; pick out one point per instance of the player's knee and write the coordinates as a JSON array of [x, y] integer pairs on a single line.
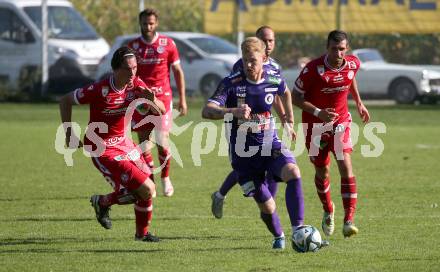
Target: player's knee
[[146, 190], [290, 171], [323, 172], [268, 207]]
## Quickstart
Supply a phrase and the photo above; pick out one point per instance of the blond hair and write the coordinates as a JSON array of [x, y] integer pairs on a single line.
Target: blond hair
[[253, 44]]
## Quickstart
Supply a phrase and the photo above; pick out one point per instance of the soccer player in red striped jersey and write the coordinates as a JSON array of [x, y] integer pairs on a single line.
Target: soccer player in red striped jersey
[[156, 53], [116, 156], [321, 91]]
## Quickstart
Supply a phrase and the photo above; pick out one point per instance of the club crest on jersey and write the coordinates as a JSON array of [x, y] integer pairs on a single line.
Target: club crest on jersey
[[90, 87], [135, 45], [268, 99], [305, 70], [160, 49], [104, 91], [352, 65], [320, 69], [350, 74], [163, 41]]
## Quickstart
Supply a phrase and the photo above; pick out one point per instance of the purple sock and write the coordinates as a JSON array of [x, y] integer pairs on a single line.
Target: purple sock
[[229, 182], [273, 188], [273, 224], [295, 202]]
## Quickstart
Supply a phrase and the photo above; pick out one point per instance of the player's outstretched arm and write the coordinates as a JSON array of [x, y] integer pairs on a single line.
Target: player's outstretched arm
[[180, 83], [214, 112], [286, 100], [362, 110], [279, 108], [66, 103]]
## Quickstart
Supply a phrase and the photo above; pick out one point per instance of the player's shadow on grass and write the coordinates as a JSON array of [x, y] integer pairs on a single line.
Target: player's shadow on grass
[[60, 219], [46, 241], [58, 251], [43, 198]]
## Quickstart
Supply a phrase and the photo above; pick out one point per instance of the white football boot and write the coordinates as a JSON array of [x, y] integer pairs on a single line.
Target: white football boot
[[328, 222]]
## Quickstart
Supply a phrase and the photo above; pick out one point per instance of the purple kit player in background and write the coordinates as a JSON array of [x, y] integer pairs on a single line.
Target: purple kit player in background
[[271, 67], [253, 144]]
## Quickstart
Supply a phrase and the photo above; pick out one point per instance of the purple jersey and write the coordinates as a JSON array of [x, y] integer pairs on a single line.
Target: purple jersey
[[235, 90], [271, 67]]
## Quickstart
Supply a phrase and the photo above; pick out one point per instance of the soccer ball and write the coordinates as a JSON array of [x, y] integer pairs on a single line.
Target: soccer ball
[[306, 238]]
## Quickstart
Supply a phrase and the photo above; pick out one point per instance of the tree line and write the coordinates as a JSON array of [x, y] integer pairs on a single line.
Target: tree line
[[116, 17]]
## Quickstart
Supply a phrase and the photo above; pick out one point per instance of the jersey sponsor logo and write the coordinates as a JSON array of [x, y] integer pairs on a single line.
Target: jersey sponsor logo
[[163, 41], [113, 140], [241, 90], [338, 78], [352, 65], [104, 91], [350, 74], [160, 49], [327, 79], [114, 111], [268, 99], [149, 51], [320, 69], [274, 80], [270, 90], [119, 100], [335, 89], [271, 72], [150, 60]]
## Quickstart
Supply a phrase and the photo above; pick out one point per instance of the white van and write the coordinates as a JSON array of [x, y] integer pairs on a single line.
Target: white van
[[74, 52]]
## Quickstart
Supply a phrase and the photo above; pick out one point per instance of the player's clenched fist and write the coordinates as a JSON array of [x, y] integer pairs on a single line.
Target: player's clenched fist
[[242, 112]]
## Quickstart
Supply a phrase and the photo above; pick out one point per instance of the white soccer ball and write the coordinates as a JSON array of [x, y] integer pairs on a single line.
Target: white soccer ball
[[306, 238]]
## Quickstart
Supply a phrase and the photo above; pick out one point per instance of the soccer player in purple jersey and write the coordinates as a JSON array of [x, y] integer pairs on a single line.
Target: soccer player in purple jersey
[[267, 35], [253, 143]]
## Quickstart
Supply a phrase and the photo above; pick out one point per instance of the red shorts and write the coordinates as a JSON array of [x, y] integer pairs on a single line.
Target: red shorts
[[123, 167], [149, 121], [336, 140]]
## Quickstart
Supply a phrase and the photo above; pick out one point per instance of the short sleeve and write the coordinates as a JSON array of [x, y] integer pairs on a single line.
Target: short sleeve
[[173, 55], [238, 66], [86, 95], [305, 80], [221, 94], [282, 87]]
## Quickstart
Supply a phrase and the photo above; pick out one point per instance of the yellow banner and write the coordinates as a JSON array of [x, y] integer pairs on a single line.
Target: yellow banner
[[311, 16]]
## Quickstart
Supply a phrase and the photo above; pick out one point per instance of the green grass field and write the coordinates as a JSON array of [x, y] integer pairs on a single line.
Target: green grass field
[[47, 224]]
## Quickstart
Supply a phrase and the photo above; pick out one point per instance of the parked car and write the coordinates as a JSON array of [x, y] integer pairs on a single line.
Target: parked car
[[205, 59], [74, 47], [380, 79]]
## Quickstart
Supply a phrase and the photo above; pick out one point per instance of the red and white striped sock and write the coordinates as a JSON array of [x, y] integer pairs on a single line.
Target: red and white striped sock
[[150, 162], [143, 210], [164, 162], [323, 190], [349, 197]]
